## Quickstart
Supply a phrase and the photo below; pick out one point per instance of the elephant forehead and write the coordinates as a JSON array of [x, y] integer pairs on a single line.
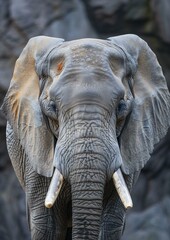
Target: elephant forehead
[[88, 54], [91, 54]]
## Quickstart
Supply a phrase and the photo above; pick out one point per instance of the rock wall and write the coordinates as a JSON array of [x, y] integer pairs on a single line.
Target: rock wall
[[71, 19]]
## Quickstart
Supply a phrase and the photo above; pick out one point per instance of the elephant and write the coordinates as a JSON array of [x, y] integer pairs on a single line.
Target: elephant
[[83, 117]]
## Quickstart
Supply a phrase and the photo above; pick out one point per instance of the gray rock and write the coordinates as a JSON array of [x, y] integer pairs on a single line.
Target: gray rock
[[4, 16], [105, 15], [32, 17], [73, 25], [137, 10], [153, 223], [6, 69], [161, 10]]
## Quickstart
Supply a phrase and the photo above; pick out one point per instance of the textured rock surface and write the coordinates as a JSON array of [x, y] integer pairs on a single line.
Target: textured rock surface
[[161, 11], [153, 223], [71, 19]]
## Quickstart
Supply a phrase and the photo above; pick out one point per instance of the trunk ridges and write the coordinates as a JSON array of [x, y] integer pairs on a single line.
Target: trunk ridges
[[87, 198]]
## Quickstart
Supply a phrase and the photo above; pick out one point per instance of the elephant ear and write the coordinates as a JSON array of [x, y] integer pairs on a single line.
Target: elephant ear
[[149, 119], [22, 109]]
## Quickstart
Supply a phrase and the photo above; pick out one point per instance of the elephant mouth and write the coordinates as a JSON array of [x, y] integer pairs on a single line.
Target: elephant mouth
[[118, 180]]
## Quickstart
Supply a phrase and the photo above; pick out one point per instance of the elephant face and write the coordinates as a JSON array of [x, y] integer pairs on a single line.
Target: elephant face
[[82, 87], [87, 108]]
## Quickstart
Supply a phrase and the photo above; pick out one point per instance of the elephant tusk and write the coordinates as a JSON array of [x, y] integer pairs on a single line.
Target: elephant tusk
[[54, 189], [122, 189]]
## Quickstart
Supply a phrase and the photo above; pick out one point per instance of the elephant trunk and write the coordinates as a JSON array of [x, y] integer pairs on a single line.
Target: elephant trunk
[[86, 154], [87, 196]]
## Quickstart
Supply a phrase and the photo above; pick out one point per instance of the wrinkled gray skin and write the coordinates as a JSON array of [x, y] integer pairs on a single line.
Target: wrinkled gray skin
[[86, 107]]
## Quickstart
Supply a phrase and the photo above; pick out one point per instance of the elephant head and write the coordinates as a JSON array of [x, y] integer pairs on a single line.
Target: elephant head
[[90, 109]]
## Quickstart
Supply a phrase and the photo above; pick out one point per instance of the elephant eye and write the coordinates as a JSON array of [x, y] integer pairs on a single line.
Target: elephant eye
[[52, 106], [121, 110], [121, 113]]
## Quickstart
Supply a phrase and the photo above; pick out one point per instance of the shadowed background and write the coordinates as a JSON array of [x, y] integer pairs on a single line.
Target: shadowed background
[[72, 19]]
